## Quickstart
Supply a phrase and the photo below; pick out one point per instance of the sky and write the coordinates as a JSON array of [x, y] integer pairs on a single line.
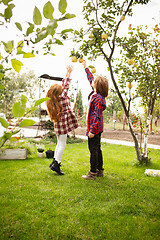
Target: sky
[[56, 65]]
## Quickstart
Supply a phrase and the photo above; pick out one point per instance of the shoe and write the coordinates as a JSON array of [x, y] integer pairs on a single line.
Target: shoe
[[99, 173], [56, 167], [90, 176], [51, 163]]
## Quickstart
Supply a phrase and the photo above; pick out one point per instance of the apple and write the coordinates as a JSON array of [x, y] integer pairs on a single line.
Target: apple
[[81, 60], [131, 61], [130, 27], [73, 59], [122, 18], [130, 85], [104, 36], [91, 35], [93, 70]]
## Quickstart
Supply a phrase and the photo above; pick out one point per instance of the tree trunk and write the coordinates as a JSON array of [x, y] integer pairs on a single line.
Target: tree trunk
[[139, 157], [136, 144], [146, 136]]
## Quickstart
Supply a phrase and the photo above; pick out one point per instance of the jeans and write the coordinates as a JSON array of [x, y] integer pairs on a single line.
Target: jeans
[[61, 144], [96, 158]]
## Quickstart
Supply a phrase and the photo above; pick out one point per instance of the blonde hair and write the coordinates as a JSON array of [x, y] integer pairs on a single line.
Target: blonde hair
[[101, 85], [54, 107]]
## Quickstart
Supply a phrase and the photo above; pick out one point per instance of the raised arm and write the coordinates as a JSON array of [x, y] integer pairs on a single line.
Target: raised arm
[[66, 81], [89, 74]]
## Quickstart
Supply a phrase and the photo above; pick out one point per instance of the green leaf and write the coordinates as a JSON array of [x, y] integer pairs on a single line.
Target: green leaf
[[16, 64], [39, 101], [3, 122], [8, 46], [1, 75], [48, 10], [20, 46], [51, 27], [8, 12], [2, 87], [5, 2], [28, 55], [26, 123], [24, 99], [62, 6], [18, 25], [37, 18], [41, 36], [68, 15], [32, 109], [58, 42], [67, 30], [18, 109], [13, 139], [30, 29]]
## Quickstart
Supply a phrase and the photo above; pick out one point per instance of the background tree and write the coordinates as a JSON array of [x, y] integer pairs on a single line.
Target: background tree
[[16, 85], [78, 108], [140, 66], [105, 17], [156, 111], [113, 105]]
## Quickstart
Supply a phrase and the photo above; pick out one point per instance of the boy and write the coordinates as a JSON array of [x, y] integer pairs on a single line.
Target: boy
[[97, 105]]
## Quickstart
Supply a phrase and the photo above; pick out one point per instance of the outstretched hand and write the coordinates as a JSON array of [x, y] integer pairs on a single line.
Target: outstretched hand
[[84, 63], [69, 70]]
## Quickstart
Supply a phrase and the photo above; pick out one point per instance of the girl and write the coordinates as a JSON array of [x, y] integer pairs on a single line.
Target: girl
[[97, 105], [59, 111]]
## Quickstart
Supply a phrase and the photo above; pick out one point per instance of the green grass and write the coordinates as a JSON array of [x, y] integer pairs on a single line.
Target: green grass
[[37, 204]]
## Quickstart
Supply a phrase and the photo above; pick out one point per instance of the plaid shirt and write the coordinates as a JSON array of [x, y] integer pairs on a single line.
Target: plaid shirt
[[68, 120], [97, 105]]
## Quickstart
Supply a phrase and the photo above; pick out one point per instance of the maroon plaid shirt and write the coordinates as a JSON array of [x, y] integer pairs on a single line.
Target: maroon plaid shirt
[[68, 120], [95, 111]]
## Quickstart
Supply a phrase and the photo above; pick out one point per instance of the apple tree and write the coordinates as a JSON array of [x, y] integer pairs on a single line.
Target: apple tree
[[101, 40], [140, 66]]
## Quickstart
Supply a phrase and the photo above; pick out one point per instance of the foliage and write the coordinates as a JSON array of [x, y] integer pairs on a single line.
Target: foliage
[[20, 144], [15, 85], [78, 108], [36, 31], [113, 103], [36, 198], [19, 111]]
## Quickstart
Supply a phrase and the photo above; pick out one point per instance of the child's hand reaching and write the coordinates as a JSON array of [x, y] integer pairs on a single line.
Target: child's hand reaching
[[84, 63], [69, 70]]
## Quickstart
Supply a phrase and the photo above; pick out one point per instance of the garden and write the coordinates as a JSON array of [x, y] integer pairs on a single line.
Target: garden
[[36, 203]]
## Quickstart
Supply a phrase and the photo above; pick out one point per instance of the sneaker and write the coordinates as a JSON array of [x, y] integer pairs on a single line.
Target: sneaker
[[90, 176], [99, 173], [56, 167]]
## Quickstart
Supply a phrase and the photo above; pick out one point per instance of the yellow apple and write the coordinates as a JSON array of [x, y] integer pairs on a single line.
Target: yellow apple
[[93, 70], [81, 60], [73, 59], [130, 85], [122, 18], [131, 61], [91, 35], [104, 36]]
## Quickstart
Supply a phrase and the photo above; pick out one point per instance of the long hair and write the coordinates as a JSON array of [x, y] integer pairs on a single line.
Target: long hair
[[54, 107]]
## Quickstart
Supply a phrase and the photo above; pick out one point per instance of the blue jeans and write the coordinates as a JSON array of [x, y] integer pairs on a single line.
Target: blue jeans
[[96, 158]]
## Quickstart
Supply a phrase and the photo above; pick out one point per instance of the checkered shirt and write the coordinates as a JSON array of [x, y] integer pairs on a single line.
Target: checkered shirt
[[68, 120], [97, 105]]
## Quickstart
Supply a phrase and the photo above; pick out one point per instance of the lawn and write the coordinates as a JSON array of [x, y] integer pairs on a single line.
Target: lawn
[[37, 204]]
